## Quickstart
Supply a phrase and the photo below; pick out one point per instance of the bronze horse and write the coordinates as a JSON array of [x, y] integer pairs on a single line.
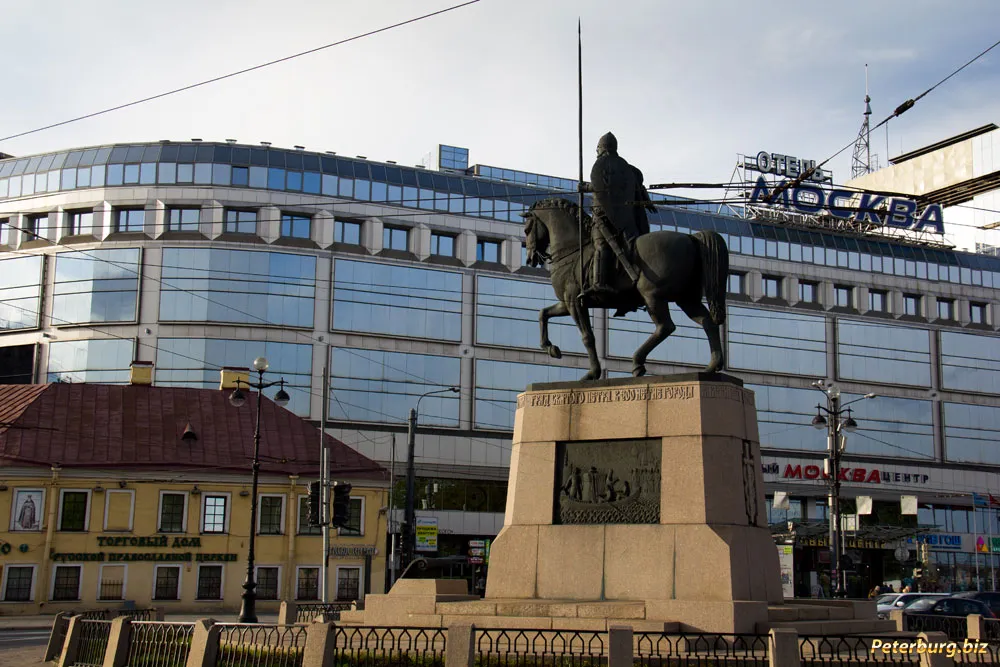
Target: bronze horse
[[673, 267]]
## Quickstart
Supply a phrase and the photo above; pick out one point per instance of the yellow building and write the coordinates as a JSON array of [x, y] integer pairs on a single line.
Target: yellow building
[[141, 494]]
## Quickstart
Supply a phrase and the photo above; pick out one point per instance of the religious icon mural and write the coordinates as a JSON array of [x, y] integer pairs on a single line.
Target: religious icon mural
[[27, 510]]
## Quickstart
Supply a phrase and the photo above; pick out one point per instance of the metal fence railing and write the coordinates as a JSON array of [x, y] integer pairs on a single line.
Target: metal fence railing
[[832, 651], [956, 627], [390, 646], [159, 644], [658, 648], [94, 636], [539, 648], [259, 645], [307, 612], [109, 614]]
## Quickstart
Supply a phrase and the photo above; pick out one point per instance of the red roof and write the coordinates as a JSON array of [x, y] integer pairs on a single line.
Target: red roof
[[140, 427]]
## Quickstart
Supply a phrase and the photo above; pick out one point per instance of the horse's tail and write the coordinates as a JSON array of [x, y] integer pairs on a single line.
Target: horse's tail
[[714, 272]]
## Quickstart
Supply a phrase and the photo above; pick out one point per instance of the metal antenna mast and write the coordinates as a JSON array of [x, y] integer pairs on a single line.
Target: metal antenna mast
[[861, 162]]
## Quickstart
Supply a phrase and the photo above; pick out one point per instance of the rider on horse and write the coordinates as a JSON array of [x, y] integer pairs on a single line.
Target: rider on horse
[[618, 191]]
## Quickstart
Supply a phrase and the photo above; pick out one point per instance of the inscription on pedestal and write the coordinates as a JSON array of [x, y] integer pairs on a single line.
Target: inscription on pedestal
[[612, 481]]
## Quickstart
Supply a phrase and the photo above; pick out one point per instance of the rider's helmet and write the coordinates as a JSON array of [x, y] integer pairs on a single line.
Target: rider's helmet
[[607, 144]]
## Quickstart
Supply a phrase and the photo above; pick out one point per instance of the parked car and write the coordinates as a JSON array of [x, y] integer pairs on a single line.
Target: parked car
[[890, 601], [992, 600], [948, 606]]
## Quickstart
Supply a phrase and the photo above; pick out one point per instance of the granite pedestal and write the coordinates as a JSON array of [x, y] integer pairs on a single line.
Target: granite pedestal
[[636, 500]]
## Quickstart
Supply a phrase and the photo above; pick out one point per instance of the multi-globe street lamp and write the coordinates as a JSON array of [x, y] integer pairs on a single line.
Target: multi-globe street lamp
[[248, 609], [840, 420]]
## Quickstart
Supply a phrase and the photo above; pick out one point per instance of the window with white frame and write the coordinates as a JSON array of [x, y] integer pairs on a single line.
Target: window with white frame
[[66, 582], [173, 512], [268, 577], [215, 513], [307, 583], [74, 506], [270, 517], [112, 582], [348, 583], [18, 583], [355, 518], [209, 582], [166, 582], [305, 528]]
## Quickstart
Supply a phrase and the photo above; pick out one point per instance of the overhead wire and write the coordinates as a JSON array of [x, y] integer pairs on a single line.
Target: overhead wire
[[242, 71]]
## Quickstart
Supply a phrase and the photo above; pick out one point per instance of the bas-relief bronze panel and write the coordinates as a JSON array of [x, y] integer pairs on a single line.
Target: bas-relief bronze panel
[[608, 482]]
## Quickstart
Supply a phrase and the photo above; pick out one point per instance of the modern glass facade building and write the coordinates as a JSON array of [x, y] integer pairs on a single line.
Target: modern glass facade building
[[402, 280]]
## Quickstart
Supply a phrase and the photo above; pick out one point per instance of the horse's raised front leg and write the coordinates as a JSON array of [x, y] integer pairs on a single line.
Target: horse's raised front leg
[[698, 313], [555, 310], [582, 318], [659, 313]]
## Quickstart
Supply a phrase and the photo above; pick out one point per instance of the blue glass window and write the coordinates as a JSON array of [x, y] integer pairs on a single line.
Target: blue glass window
[[209, 285], [784, 416], [395, 238], [892, 427], [167, 173], [294, 181], [971, 433], [970, 362], [240, 222], [183, 219], [130, 220], [686, 345], [397, 300], [96, 286], [507, 314], [777, 342], [442, 244], [275, 179], [373, 386], [20, 292], [79, 223], [487, 251], [311, 183], [195, 362], [241, 176], [295, 226], [345, 231], [96, 361], [499, 382], [884, 353]]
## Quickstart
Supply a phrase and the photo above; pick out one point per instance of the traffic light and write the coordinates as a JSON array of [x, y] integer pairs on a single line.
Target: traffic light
[[315, 501], [341, 503]]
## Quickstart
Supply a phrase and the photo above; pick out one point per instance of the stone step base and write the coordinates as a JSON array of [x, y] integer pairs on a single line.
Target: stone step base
[[811, 612]]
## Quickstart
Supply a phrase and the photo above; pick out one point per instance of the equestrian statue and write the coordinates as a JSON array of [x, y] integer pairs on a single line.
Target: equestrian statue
[[623, 265]]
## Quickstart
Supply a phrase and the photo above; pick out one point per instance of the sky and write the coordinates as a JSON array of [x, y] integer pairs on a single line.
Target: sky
[[685, 86]]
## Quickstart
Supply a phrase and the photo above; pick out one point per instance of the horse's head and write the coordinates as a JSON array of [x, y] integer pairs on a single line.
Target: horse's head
[[536, 237]]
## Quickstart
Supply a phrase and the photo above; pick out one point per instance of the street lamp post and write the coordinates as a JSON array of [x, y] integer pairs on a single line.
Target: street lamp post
[[836, 423], [410, 519], [248, 610]]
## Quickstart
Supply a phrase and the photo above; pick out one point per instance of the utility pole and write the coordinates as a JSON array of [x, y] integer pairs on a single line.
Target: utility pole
[[393, 552], [324, 485], [410, 518]]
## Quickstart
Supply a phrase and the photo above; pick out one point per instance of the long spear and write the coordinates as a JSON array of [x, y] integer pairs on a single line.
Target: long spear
[[579, 67]]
